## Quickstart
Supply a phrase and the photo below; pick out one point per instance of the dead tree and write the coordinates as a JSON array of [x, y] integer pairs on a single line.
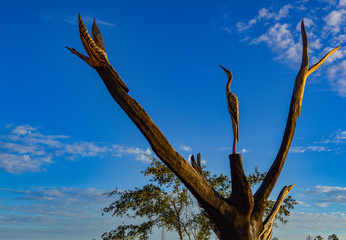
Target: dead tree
[[240, 216]]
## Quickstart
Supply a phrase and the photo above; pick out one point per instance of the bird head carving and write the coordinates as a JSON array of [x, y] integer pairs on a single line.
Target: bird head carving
[[228, 72]]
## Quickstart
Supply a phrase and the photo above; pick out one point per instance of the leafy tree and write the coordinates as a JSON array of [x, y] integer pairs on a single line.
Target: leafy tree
[[333, 237], [165, 202], [318, 237]]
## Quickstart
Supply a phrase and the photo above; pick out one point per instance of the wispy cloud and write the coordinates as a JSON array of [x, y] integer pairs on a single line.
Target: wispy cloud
[[335, 142], [25, 149], [186, 148], [302, 224], [74, 20], [280, 39], [222, 148], [322, 196], [243, 150], [295, 149], [64, 210], [282, 36], [264, 14], [337, 78], [140, 154], [301, 149], [87, 20], [338, 137]]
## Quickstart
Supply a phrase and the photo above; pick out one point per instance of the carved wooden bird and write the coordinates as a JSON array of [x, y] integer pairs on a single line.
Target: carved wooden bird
[[95, 48], [233, 108]]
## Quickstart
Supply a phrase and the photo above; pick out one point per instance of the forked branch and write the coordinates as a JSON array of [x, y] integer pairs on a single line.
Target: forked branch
[[270, 180]]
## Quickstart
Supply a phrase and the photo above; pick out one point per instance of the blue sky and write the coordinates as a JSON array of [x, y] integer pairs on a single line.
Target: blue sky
[[64, 141]]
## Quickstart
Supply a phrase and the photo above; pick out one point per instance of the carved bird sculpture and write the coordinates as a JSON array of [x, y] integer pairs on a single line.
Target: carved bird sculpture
[[95, 48], [233, 108]]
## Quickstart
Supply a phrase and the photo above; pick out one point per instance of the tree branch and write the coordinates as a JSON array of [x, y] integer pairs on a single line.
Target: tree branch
[[158, 142], [241, 196], [198, 186], [267, 231], [270, 180]]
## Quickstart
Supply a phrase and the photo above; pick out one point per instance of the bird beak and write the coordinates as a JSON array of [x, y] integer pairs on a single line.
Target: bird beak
[[228, 72], [223, 68]]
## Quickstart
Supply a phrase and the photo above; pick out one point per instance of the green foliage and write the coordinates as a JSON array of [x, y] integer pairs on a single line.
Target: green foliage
[[319, 237], [165, 202], [333, 237]]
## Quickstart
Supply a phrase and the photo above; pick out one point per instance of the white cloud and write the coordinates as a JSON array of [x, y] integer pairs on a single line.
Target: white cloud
[[340, 136], [244, 150], [23, 130], [186, 148], [226, 29], [265, 14], [297, 149], [140, 154], [322, 196], [85, 149], [70, 213], [325, 32], [241, 27], [337, 78], [18, 163], [280, 39], [335, 143], [301, 149], [283, 12], [25, 149], [337, 138], [335, 20], [301, 7], [316, 148], [302, 224]]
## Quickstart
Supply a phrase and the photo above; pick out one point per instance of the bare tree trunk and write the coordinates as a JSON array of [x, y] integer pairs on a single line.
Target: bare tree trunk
[[239, 217]]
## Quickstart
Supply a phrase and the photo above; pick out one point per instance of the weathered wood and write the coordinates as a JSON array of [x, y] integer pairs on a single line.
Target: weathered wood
[[158, 142], [240, 216], [267, 231], [241, 197]]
